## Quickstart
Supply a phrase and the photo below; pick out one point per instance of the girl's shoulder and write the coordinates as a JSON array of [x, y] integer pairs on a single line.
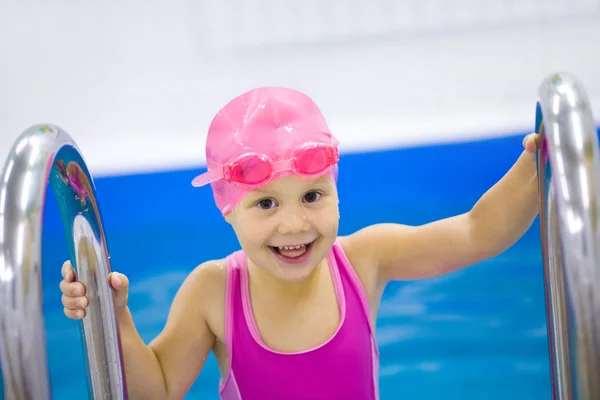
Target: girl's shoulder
[[207, 284], [362, 264]]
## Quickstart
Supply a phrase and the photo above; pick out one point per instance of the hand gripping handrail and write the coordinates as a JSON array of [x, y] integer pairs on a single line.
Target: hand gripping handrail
[[43, 154], [569, 184]]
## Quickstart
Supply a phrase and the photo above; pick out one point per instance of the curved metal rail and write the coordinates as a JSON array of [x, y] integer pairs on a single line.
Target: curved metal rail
[[569, 183], [40, 155]]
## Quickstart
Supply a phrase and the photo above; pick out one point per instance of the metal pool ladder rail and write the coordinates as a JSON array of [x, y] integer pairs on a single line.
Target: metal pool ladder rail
[[569, 183], [46, 154]]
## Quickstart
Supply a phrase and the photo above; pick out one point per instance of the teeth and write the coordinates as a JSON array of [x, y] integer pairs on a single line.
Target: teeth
[[292, 247]]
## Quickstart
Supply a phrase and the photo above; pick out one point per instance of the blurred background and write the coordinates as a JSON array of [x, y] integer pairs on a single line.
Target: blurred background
[[429, 98]]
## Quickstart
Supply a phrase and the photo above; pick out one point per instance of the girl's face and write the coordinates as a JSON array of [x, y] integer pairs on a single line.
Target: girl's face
[[288, 226]]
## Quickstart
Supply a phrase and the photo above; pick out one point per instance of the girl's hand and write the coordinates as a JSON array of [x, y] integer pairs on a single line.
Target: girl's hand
[[531, 143], [74, 299]]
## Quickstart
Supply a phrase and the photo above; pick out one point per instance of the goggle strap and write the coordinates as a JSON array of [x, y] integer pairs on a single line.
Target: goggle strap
[[208, 177]]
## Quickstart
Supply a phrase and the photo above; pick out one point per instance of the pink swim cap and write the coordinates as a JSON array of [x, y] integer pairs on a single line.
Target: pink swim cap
[[262, 135]]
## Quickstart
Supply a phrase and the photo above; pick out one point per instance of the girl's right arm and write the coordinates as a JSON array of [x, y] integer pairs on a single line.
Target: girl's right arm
[[169, 365]]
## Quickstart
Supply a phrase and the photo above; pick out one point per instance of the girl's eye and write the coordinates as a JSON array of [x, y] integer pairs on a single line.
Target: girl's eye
[[266, 204], [311, 197]]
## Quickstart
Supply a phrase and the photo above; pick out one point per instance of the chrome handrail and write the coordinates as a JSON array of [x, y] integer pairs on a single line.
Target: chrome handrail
[[569, 183], [46, 154]]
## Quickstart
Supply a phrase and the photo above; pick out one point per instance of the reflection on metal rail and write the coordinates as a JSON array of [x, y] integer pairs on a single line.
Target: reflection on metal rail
[[40, 155], [569, 182]]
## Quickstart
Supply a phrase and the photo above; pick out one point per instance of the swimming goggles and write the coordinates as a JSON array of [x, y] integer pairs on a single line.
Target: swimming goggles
[[252, 169]]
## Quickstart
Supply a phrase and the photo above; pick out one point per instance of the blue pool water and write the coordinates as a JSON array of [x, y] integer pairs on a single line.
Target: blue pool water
[[474, 334]]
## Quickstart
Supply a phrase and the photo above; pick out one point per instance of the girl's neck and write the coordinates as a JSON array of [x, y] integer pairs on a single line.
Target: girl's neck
[[282, 289]]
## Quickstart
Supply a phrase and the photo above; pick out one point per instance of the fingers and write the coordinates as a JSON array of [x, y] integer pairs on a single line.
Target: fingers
[[73, 289], [531, 142], [74, 307], [120, 285], [74, 314], [74, 303], [73, 298], [67, 271], [119, 281]]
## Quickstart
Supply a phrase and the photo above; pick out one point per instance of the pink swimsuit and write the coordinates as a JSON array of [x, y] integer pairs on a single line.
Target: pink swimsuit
[[343, 368]]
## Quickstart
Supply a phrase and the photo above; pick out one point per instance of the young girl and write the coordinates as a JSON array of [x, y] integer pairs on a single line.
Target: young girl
[[291, 315]]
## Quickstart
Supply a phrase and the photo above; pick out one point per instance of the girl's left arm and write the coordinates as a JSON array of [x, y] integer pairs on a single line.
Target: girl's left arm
[[498, 220]]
